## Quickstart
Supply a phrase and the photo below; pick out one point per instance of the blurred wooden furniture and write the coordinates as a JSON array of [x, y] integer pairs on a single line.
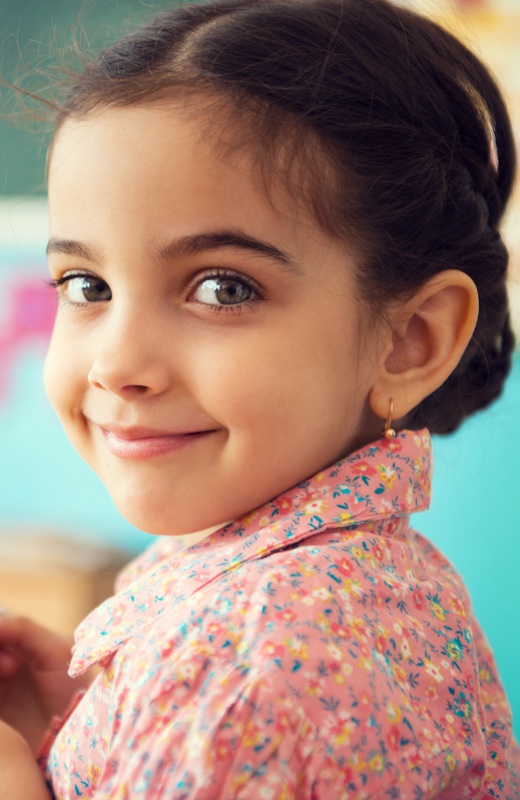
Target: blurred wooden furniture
[[55, 580]]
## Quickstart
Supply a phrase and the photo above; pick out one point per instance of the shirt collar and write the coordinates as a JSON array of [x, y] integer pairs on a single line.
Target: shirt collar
[[387, 479]]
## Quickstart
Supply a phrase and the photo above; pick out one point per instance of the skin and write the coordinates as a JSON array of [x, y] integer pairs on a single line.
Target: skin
[[277, 379], [21, 777]]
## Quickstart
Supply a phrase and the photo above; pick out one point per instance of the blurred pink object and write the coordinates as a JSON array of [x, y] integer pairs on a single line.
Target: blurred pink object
[[31, 308], [472, 4]]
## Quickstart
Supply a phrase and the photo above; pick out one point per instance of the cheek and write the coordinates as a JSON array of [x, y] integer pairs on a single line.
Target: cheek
[[62, 376], [51, 370], [277, 379]]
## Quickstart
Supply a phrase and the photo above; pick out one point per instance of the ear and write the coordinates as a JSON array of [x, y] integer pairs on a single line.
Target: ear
[[427, 337]]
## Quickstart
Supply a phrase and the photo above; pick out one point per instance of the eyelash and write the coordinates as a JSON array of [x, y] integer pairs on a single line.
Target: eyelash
[[238, 308], [65, 279], [215, 274]]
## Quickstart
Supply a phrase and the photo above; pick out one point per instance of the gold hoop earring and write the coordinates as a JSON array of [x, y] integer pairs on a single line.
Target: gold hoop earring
[[388, 431]]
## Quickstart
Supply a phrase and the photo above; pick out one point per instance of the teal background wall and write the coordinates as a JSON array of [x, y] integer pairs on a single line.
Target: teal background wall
[[475, 516], [35, 37]]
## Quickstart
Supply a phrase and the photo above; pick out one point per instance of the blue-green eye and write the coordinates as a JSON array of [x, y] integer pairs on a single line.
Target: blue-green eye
[[224, 291]]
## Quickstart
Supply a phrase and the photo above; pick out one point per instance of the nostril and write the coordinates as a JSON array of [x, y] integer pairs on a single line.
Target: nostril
[[135, 389]]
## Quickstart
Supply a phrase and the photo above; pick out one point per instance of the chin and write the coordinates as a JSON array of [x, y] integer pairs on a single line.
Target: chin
[[169, 524], [150, 523]]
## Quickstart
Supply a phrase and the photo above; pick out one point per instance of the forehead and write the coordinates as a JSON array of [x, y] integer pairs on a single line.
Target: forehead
[[166, 165]]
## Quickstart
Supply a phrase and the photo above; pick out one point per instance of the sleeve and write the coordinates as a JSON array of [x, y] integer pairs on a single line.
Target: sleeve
[[49, 737], [215, 736]]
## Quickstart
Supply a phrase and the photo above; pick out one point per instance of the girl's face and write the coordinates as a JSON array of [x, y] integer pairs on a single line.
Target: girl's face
[[209, 351]]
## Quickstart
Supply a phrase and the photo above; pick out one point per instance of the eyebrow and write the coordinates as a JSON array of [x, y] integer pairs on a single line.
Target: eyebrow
[[71, 248], [189, 245]]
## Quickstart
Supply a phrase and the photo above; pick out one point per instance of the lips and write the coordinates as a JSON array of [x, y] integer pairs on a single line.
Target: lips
[[139, 443]]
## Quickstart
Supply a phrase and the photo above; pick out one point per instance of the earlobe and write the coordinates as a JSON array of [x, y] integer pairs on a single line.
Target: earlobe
[[427, 338]]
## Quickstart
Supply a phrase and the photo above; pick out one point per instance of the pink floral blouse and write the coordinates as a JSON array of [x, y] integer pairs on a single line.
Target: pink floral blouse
[[318, 648]]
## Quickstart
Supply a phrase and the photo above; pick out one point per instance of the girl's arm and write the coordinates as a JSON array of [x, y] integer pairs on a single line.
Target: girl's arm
[[21, 777]]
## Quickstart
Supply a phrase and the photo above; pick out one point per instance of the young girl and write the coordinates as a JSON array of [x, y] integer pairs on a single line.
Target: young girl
[[273, 232]]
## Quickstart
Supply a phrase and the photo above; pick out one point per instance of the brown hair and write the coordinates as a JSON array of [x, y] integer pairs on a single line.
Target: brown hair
[[412, 124]]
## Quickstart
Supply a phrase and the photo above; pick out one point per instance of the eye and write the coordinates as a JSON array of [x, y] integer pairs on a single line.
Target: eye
[[225, 290], [83, 288]]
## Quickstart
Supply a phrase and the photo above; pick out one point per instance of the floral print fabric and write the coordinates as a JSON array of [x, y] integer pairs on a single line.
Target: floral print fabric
[[318, 648]]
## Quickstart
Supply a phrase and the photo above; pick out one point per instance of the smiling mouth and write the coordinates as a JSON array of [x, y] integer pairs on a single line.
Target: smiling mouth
[[139, 444]]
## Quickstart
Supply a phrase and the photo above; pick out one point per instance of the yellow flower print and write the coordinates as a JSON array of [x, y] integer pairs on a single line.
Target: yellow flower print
[[340, 731], [417, 466], [458, 607], [485, 675], [377, 763], [242, 648], [253, 736], [433, 671], [438, 610], [297, 648], [399, 674], [93, 772], [387, 474], [315, 685], [450, 761], [454, 650], [323, 622], [107, 676], [394, 713], [345, 671], [307, 569], [358, 628]]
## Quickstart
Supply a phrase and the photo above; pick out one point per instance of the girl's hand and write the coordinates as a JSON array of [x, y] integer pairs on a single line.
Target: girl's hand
[[21, 778], [34, 685]]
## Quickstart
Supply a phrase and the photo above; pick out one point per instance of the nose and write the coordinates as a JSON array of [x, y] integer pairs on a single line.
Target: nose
[[129, 355]]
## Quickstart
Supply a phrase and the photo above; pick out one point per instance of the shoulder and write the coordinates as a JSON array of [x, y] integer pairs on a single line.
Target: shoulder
[[344, 625], [344, 661], [336, 594]]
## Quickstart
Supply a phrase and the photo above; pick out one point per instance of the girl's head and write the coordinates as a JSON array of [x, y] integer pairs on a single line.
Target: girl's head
[[330, 175]]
